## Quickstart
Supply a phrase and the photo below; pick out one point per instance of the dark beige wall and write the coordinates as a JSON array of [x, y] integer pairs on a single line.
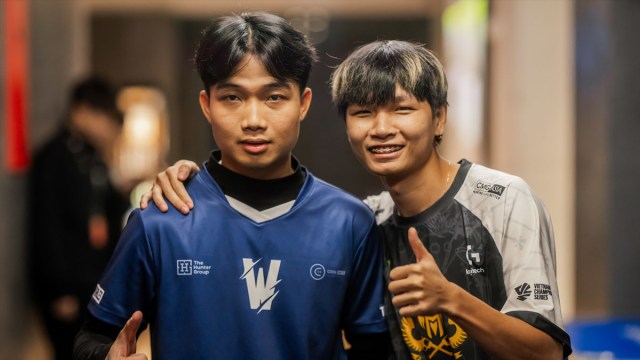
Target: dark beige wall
[[607, 166]]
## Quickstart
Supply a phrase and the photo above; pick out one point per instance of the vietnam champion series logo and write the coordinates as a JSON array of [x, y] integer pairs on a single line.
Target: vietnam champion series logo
[[540, 291]]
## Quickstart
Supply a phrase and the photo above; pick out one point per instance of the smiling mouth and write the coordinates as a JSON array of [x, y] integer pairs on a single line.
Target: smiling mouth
[[385, 149]]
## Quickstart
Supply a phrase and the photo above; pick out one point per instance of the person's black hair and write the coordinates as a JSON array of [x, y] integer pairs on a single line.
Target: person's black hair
[[98, 94], [284, 51], [369, 75]]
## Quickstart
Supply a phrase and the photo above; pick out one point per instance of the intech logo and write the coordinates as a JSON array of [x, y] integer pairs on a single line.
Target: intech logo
[[473, 257], [488, 189]]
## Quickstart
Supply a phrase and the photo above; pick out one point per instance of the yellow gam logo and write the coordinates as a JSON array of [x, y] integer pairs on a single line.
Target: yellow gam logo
[[429, 338]]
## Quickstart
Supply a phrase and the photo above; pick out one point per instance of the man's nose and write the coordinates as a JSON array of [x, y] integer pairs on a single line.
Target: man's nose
[[383, 126], [253, 119]]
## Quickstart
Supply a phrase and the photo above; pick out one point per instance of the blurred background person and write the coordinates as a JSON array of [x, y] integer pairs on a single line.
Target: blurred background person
[[76, 212]]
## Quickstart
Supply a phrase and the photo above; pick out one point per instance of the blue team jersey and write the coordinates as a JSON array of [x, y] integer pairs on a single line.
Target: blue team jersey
[[216, 285]]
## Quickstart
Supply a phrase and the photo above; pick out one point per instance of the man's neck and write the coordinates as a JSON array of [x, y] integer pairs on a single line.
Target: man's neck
[[258, 194], [418, 191]]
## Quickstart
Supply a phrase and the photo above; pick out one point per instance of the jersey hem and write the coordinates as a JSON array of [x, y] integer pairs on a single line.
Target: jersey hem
[[541, 323]]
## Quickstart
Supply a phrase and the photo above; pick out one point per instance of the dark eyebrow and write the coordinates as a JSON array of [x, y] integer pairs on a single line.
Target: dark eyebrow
[[274, 85], [279, 84]]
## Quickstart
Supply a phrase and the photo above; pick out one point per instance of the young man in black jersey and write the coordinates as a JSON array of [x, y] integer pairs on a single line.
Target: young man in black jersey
[[469, 250], [246, 277]]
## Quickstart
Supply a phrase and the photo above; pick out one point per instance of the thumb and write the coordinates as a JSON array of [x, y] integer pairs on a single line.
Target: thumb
[[187, 169], [129, 331], [416, 245]]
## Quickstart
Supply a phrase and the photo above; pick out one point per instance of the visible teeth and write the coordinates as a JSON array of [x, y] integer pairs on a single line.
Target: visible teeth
[[384, 149]]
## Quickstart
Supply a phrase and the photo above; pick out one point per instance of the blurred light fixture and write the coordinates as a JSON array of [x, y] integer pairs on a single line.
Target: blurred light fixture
[[144, 141], [313, 21]]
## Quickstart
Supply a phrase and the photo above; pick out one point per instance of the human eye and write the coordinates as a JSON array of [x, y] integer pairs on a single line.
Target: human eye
[[404, 109], [359, 112], [276, 97], [228, 97]]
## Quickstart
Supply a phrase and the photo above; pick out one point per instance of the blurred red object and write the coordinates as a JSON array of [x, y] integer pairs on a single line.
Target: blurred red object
[[16, 87]]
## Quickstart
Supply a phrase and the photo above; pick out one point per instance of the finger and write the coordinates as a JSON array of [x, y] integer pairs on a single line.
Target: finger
[[406, 299], [125, 343], [144, 199], [162, 191], [164, 186], [138, 357], [158, 199], [186, 169], [400, 286], [404, 271], [417, 246], [415, 309], [177, 184], [130, 331]]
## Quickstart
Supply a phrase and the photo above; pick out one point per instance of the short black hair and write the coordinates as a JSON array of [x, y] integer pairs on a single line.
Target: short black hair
[[285, 52], [369, 75], [97, 93]]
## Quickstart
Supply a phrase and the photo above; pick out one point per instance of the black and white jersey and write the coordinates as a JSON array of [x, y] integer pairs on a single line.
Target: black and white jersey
[[492, 236]]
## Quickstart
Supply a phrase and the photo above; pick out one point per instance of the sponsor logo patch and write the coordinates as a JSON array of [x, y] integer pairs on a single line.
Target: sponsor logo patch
[[523, 291], [433, 335], [262, 291], [187, 267], [488, 189], [318, 272], [540, 291], [98, 294], [474, 259]]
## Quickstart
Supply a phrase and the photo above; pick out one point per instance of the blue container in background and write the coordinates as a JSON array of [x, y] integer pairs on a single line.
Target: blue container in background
[[610, 339]]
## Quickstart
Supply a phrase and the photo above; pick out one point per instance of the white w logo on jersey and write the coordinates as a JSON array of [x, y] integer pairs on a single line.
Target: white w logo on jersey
[[261, 292]]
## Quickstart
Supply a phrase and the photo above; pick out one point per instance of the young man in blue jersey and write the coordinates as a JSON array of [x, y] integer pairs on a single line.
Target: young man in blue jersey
[[469, 251], [274, 263]]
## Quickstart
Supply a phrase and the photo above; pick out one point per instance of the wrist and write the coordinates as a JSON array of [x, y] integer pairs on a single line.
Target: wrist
[[452, 296]]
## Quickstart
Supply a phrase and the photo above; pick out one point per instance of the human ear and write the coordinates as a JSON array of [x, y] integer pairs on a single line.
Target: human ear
[[305, 103], [440, 120], [204, 105]]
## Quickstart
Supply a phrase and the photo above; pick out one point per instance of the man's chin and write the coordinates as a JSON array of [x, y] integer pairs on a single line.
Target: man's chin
[[381, 171]]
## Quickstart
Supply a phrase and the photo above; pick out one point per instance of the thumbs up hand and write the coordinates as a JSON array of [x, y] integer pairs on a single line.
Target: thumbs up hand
[[420, 288]]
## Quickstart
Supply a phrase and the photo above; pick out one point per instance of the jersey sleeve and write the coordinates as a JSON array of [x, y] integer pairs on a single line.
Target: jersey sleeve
[[362, 312], [529, 263], [127, 283]]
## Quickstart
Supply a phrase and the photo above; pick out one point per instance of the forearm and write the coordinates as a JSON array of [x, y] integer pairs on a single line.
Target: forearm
[[500, 335], [94, 340], [88, 347]]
